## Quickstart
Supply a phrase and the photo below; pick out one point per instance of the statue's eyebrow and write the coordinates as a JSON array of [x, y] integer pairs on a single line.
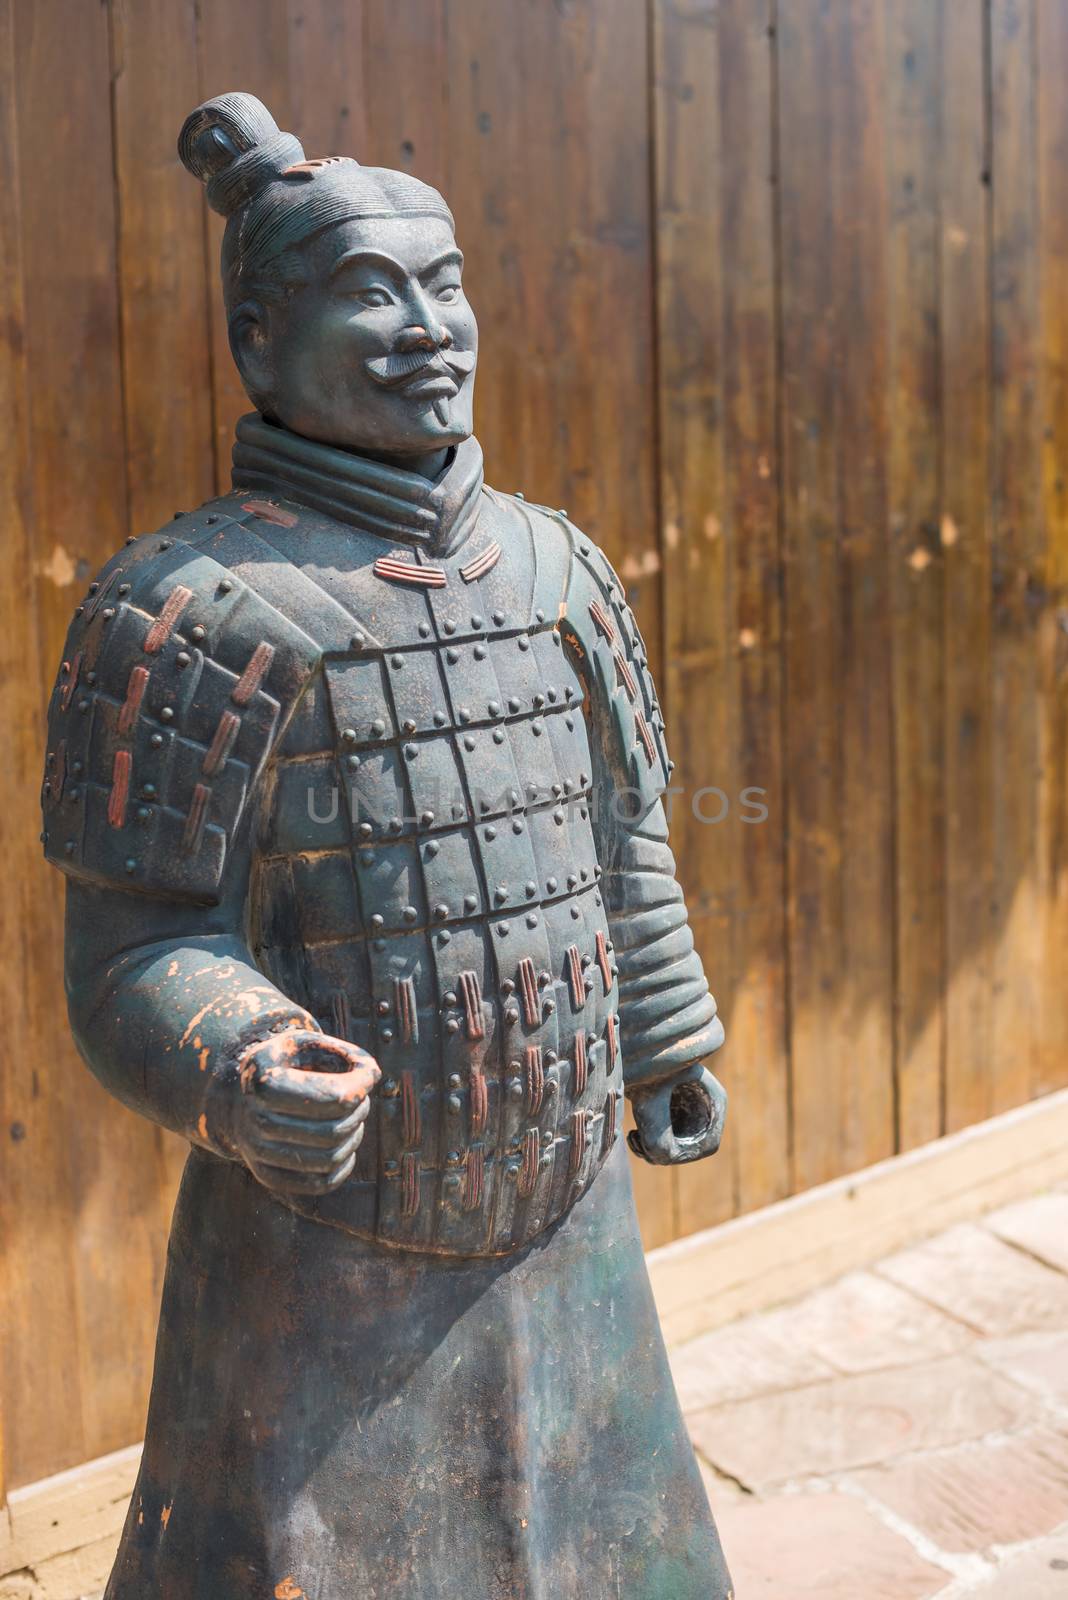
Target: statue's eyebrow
[[375, 258], [450, 258], [393, 269]]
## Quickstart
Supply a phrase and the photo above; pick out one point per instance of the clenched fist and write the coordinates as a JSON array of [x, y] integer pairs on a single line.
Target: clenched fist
[[298, 1111], [680, 1119]]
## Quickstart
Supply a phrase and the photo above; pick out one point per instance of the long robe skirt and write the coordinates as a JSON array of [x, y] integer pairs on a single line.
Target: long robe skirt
[[335, 1420]]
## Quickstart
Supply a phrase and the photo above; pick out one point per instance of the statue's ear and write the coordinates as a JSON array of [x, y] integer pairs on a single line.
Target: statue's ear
[[251, 347]]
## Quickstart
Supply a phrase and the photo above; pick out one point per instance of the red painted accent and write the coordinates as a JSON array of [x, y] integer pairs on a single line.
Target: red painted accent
[[610, 1120], [59, 776], [645, 736], [580, 1127], [611, 1040], [167, 621], [574, 977], [603, 961], [410, 1108], [410, 1184], [407, 1012], [476, 1169], [535, 1076], [73, 669], [408, 572], [482, 563], [471, 990], [528, 1172], [221, 745], [120, 788], [308, 169], [528, 992], [602, 621], [582, 1066], [253, 675], [479, 1101], [626, 677], [198, 816], [269, 513], [135, 693]]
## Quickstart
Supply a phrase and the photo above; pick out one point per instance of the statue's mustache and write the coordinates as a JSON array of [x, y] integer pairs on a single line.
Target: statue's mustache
[[401, 365]]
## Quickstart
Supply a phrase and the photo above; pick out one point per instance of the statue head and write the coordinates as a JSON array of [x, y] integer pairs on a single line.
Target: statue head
[[345, 305]]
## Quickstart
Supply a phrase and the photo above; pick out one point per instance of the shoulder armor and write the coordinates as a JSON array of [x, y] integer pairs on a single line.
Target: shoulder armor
[[176, 682], [547, 554], [599, 627]]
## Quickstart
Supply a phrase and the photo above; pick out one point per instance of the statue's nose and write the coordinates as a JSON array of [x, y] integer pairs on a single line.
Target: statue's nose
[[421, 338]]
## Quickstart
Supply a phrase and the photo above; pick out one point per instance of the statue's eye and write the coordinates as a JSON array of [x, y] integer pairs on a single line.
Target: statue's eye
[[374, 297], [449, 293]]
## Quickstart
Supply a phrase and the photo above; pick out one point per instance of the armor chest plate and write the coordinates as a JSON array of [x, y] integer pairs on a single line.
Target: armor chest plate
[[427, 884]]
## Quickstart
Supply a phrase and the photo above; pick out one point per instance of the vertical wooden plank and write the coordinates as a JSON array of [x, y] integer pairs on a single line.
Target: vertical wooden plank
[[36, 1287], [327, 79], [833, 230], [717, 417], [913, 63], [1050, 1067], [1018, 547], [965, 540], [163, 282], [81, 1158], [407, 127]]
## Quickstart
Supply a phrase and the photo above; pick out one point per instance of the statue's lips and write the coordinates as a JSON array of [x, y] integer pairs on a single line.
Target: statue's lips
[[423, 372]]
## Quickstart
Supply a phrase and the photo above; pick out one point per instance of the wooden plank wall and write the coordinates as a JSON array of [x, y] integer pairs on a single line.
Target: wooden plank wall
[[774, 299]]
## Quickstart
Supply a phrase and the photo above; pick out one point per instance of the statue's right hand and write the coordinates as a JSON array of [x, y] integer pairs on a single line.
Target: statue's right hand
[[298, 1114]]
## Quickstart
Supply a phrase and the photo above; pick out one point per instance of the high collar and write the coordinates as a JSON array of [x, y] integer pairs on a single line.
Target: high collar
[[386, 501]]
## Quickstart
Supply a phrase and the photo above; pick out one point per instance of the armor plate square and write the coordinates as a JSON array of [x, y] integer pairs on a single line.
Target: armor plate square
[[391, 884], [418, 691], [361, 707], [435, 782], [307, 813], [325, 901]]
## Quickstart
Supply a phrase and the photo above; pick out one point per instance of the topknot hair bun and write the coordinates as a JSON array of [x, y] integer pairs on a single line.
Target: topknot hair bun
[[234, 146]]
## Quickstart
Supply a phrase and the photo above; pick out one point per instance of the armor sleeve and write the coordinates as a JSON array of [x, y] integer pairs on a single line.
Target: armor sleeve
[[667, 1016], [163, 999], [176, 682]]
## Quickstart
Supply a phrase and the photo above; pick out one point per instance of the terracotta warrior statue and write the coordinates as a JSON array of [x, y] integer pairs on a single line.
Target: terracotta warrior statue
[[355, 774]]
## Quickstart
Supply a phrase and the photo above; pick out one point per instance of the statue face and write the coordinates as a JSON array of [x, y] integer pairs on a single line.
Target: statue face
[[376, 351]]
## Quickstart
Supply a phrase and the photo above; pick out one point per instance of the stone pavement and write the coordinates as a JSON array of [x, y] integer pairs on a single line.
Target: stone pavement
[[903, 1432]]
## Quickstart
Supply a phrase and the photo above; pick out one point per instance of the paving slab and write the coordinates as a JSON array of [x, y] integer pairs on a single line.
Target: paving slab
[[854, 1421], [749, 1357], [983, 1281], [977, 1495], [821, 1547], [864, 1322], [1039, 1573], [1039, 1361], [1039, 1225]]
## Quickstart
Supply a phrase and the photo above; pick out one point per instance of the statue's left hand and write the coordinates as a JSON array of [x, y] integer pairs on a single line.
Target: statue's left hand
[[297, 1110], [679, 1119]]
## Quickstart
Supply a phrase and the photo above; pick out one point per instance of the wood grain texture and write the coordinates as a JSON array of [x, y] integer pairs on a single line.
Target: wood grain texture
[[82, 1169], [912, 85], [773, 297], [716, 325], [964, 537], [836, 651]]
